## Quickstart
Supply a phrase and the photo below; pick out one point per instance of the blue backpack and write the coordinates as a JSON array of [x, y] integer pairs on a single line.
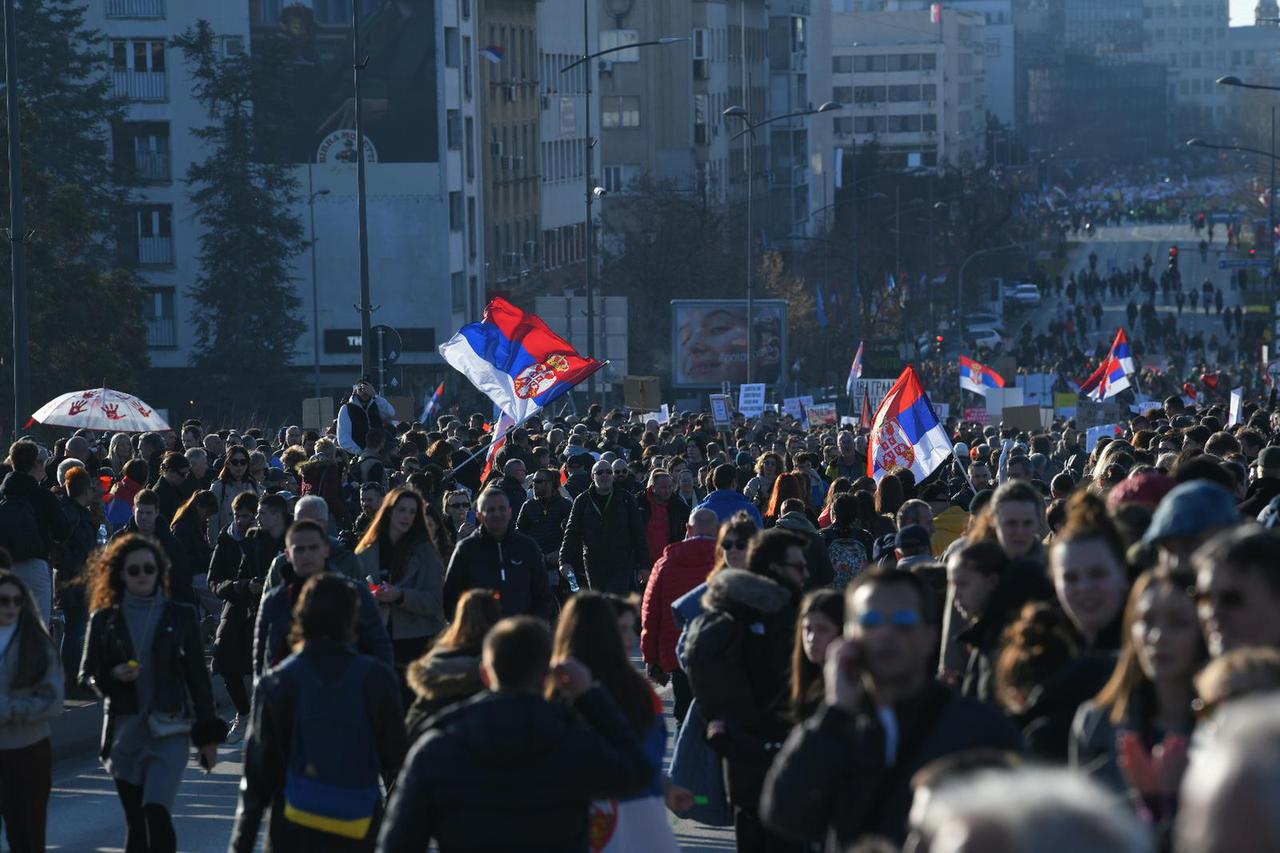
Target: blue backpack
[[331, 784]]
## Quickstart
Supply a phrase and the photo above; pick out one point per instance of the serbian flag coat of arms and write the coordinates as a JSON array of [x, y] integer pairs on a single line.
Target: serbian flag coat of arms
[[519, 363], [906, 432]]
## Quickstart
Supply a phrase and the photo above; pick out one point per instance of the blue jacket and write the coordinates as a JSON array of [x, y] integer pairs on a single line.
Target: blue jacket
[[275, 617], [725, 502], [686, 608]]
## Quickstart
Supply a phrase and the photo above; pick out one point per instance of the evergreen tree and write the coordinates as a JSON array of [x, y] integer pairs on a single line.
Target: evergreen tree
[[85, 314], [247, 322]]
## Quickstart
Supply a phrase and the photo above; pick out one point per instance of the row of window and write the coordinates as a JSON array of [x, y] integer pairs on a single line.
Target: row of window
[[884, 94], [884, 62], [1187, 10], [847, 125], [561, 160]]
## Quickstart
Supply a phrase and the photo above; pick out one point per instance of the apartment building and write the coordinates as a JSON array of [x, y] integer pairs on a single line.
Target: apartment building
[[562, 130], [510, 118], [916, 83], [422, 145], [1190, 38]]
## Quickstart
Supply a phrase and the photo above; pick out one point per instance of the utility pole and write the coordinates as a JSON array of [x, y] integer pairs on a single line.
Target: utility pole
[[362, 212], [587, 145], [17, 234]]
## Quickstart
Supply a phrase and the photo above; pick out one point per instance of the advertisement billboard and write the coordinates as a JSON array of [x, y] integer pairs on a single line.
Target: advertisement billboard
[[398, 87], [709, 341]]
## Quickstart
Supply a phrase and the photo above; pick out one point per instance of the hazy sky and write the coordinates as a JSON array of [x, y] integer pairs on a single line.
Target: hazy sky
[[1242, 12]]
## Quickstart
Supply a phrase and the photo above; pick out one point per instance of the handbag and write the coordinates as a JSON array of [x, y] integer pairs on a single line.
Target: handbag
[[697, 767], [164, 724]]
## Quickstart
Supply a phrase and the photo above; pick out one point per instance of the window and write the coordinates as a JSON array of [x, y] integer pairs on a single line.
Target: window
[[162, 326], [138, 69], [862, 64], [146, 237], [843, 125], [141, 151], [618, 178], [466, 68], [899, 94], [470, 148], [466, 10], [868, 94], [620, 111], [452, 48], [904, 124], [699, 44], [868, 124], [458, 289], [842, 94], [135, 8], [929, 121], [842, 64], [455, 211], [620, 38], [903, 62], [453, 129], [929, 92], [471, 226]]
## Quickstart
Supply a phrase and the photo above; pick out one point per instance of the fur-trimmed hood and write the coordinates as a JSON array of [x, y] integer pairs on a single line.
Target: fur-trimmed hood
[[446, 676], [731, 589]]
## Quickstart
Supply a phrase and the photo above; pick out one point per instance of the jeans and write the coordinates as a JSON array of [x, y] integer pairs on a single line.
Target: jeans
[[37, 575], [26, 776], [75, 615]]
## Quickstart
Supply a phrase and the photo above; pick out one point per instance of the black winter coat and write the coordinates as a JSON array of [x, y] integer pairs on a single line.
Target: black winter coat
[[266, 756], [513, 771], [191, 535], [49, 518], [82, 538], [831, 781], [606, 544], [1261, 491], [545, 522], [738, 659], [233, 644], [512, 565], [182, 682]]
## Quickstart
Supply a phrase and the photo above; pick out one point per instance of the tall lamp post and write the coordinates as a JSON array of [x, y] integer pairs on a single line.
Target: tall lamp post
[[1271, 201], [362, 207], [315, 292], [588, 143], [749, 127], [17, 236]]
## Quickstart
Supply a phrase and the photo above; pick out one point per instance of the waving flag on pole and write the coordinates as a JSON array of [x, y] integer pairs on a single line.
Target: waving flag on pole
[[906, 432], [977, 377], [501, 427], [429, 411], [1112, 376], [519, 363], [855, 371]]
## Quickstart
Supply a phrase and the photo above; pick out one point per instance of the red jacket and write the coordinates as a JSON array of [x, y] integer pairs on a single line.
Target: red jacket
[[682, 566]]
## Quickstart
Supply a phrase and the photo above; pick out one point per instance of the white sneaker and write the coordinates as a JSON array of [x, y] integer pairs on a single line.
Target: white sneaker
[[238, 727]]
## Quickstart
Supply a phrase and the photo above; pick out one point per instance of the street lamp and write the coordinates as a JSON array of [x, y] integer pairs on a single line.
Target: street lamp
[[1271, 187], [315, 292], [592, 191], [749, 127]]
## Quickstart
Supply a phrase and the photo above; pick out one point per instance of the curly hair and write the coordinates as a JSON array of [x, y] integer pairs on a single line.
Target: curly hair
[[105, 569]]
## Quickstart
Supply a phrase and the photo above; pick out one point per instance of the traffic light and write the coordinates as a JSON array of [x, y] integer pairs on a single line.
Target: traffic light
[[1173, 257], [937, 344]]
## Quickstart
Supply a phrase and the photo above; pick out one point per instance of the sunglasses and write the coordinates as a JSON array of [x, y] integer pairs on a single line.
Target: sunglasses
[[896, 618], [147, 569], [10, 601], [735, 544], [238, 462]]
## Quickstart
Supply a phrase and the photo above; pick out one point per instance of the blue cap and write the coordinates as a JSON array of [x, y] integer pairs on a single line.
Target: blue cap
[[1192, 509]]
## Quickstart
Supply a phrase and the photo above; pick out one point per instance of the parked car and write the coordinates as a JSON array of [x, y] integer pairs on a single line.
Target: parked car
[[1025, 295]]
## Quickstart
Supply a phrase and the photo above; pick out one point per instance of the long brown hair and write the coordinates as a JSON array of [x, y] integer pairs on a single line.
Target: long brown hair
[[785, 487], [1128, 679], [477, 611], [203, 499], [1037, 645], [806, 676], [588, 632], [105, 567], [36, 649], [378, 530]]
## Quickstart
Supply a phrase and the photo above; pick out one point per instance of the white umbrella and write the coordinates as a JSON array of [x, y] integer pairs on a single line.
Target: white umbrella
[[100, 409]]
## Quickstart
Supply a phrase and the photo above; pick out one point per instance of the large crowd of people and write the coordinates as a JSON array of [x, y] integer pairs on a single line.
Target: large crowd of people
[[426, 642]]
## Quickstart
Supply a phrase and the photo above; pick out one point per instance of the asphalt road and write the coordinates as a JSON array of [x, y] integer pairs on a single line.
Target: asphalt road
[[1121, 247], [85, 816]]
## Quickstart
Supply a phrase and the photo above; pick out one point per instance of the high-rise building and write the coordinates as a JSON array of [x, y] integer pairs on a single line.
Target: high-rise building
[[421, 145], [915, 83]]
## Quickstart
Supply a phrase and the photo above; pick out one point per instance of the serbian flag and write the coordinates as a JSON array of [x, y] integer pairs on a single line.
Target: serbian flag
[[500, 430], [864, 419], [855, 371], [1112, 376], [494, 53], [977, 377], [906, 432], [432, 405], [519, 363]]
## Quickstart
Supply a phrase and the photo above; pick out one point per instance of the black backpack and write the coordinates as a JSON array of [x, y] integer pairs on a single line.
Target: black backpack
[[20, 530]]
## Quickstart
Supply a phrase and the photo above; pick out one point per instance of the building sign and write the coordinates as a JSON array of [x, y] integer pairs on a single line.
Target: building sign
[[340, 147], [344, 341]]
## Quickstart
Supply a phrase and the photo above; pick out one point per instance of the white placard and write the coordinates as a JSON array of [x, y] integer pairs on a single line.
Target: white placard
[[751, 399], [1237, 406], [720, 409]]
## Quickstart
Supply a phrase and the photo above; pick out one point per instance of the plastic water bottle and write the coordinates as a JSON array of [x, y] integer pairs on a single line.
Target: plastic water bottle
[[573, 580], [102, 535]]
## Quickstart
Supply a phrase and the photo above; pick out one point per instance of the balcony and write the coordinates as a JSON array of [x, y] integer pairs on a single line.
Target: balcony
[[155, 251], [141, 85], [135, 8], [162, 332], [153, 167]]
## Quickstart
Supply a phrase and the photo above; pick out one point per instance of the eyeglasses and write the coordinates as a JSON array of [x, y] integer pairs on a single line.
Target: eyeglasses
[[147, 569], [604, 473], [10, 601], [735, 544], [460, 506], [896, 618], [238, 462]]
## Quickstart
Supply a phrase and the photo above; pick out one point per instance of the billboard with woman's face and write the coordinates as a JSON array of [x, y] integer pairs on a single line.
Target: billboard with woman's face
[[398, 86], [709, 341]]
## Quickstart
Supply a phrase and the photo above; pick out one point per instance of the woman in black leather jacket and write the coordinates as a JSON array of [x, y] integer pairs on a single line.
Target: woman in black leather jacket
[[144, 656]]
